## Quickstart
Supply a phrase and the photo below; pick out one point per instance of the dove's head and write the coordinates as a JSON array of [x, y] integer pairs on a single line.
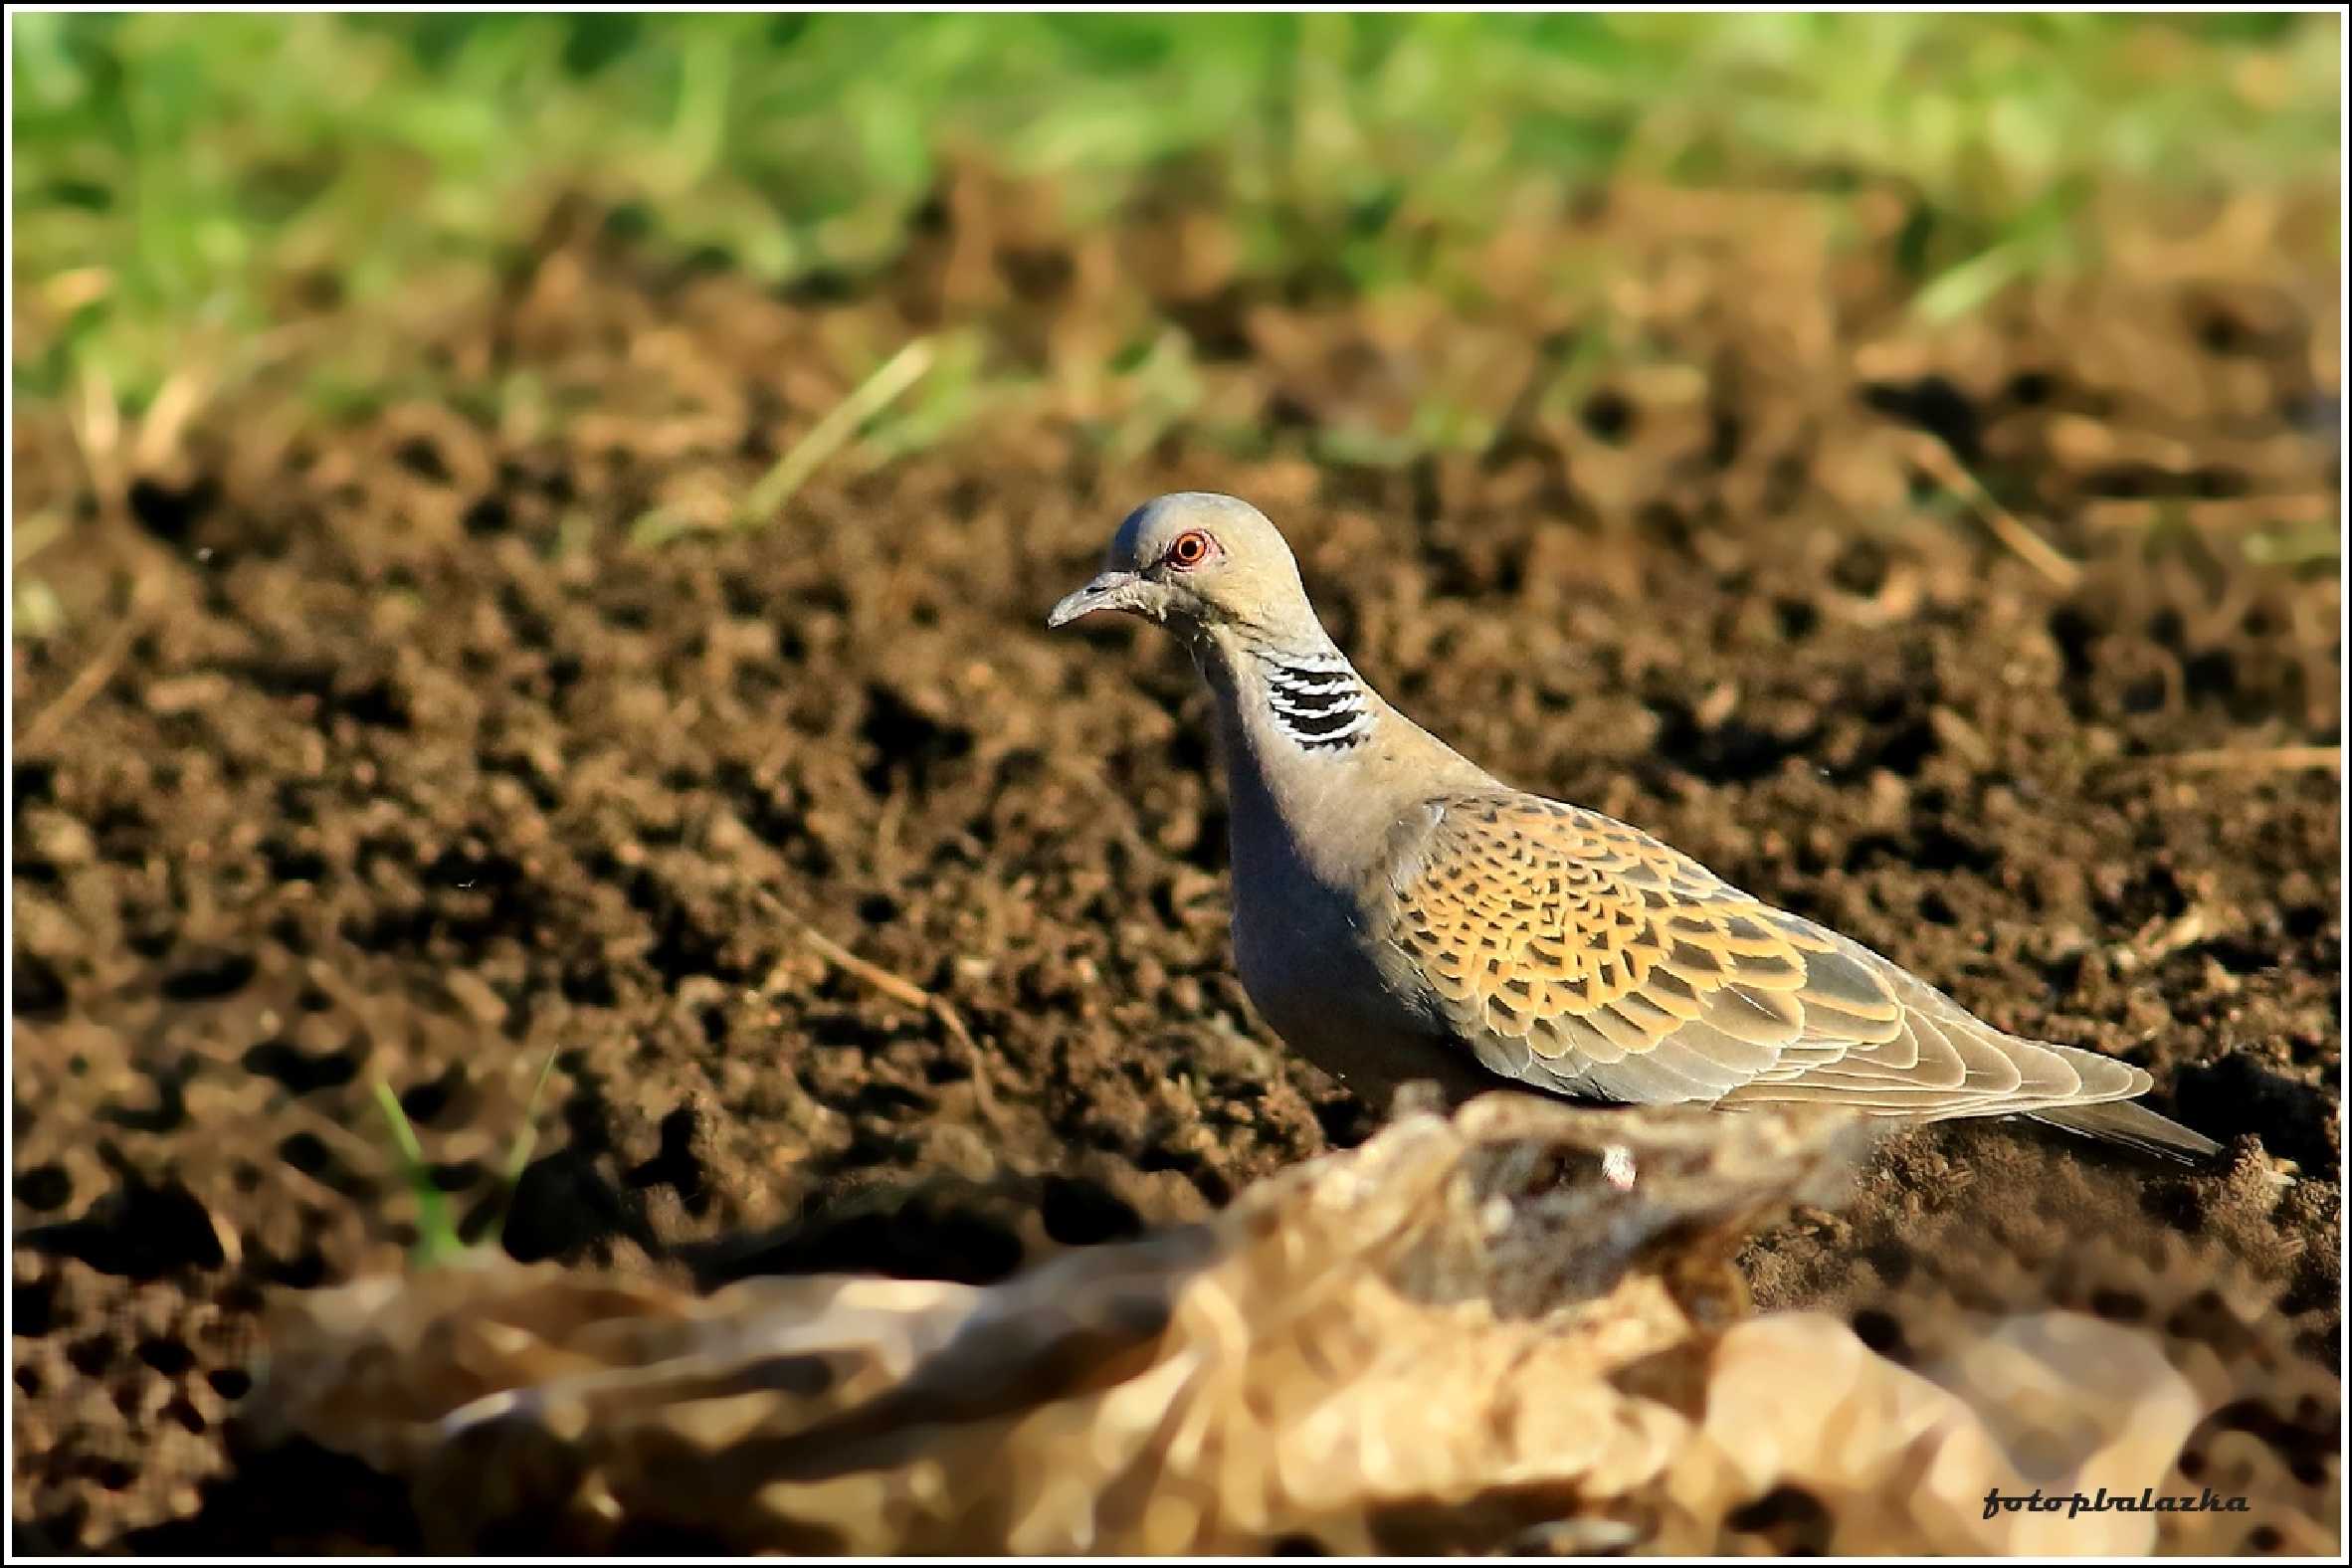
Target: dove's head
[[1198, 563]]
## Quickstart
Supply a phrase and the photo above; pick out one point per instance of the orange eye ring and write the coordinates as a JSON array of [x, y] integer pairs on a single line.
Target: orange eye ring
[[1189, 550]]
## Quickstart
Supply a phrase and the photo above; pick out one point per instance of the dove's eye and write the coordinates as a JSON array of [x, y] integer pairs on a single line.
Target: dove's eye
[[1189, 550]]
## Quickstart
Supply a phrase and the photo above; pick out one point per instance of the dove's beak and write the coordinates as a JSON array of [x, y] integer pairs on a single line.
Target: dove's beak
[[1111, 591]]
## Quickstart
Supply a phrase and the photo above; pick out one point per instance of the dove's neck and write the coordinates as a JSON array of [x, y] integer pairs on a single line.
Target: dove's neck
[[1316, 760]]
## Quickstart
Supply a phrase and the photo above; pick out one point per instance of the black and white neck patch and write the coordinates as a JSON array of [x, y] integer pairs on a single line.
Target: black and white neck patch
[[1317, 699]]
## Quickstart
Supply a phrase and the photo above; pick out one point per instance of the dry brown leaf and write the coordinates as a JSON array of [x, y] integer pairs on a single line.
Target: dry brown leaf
[[1518, 1326]]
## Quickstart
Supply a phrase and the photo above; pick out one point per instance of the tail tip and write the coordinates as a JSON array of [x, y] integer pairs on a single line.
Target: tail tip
[[2134, 1126]]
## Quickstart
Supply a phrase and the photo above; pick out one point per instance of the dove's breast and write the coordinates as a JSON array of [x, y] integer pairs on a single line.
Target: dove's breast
[[1308, 957]]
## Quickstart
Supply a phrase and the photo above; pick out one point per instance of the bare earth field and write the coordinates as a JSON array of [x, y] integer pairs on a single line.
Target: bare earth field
[[871, 926]]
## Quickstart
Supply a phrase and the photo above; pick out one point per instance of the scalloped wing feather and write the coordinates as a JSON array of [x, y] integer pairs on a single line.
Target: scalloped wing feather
[[1580, 954]]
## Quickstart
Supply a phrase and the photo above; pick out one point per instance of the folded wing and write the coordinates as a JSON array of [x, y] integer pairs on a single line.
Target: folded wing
[[1579, 954]]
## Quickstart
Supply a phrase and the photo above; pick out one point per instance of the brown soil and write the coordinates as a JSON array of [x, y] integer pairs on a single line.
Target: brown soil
[[376, 752]]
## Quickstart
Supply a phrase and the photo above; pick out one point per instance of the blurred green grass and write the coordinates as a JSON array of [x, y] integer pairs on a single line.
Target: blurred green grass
[[184, 182]]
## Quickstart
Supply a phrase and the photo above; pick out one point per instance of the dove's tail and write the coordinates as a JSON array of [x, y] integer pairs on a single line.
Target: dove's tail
[[2134, 1126]]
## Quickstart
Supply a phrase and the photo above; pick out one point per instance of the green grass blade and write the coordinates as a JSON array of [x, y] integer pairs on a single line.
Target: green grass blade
[[437, 1242]]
